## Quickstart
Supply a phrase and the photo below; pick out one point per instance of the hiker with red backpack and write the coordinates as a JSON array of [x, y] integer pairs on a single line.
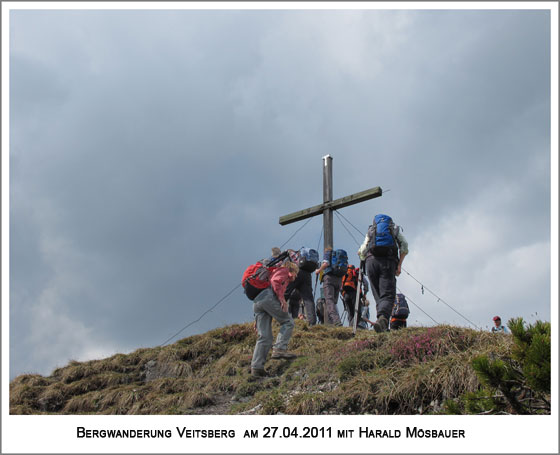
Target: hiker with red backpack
[[349, 291], [334, 267], [270, 304], [383, 251]]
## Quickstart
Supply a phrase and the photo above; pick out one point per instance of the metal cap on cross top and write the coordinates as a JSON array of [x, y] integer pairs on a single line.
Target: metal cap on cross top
[[328, 205]]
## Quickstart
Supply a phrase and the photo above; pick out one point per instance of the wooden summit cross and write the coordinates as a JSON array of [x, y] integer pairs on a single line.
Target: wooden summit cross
[[328, 205]]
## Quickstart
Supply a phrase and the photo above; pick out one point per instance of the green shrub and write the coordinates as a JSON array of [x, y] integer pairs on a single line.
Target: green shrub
[[519, 383]]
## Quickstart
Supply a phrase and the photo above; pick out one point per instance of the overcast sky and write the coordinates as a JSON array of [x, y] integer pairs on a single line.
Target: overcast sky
[[152, 153]]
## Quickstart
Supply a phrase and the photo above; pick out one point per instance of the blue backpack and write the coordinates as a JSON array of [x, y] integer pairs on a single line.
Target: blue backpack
[[382, 236], [339, 263], [308, 259], [400, 309]]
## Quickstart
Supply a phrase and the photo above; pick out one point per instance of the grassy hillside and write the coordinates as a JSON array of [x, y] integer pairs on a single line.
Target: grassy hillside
[[412, 371]]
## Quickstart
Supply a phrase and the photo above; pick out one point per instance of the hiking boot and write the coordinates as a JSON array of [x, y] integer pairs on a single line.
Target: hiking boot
[[282, 354], [381, 325], [258, 372]]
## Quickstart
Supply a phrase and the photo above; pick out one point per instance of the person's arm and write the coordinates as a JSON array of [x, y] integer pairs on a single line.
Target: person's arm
[[401, 259], [327, 256], [279, 282], [324, 265], [403, 251], [363, 247]]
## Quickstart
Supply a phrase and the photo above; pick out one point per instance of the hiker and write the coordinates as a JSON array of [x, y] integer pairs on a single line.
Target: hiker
[[275, 252], [270, 304], [302, 287], [334, 266], [400, 312], [350, 291], [498, 327], [362, 323], [384, 249]]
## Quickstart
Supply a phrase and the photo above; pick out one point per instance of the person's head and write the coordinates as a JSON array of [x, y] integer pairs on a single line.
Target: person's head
[[276, 251], [497, 321], [366, 302], [293, 269]]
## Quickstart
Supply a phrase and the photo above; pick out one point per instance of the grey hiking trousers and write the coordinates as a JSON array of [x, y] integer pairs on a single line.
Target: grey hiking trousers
[[266, 306], [331, 288]]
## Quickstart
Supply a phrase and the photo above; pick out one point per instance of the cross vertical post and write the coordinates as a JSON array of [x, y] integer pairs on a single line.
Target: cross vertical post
[[327, 197]]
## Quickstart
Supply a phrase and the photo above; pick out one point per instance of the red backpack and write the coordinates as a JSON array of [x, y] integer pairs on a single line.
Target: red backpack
[[256, 277]]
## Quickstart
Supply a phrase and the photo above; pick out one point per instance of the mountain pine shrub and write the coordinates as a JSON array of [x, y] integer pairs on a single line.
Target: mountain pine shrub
[[515, 384]]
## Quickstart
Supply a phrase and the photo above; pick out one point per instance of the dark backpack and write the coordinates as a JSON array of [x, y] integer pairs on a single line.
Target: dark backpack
[[400, 309], [339, 263], [308, 259], [382, 237], [256, 277]]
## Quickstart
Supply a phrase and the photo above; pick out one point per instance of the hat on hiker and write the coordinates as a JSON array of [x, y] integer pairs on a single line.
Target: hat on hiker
[[496, 318]]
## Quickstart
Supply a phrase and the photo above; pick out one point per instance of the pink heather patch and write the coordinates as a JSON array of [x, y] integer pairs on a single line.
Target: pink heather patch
[[419, 347]]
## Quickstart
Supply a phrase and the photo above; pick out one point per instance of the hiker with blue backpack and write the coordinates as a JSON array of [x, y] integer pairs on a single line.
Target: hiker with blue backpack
[[307, 260], [334, 267], [383, 251]]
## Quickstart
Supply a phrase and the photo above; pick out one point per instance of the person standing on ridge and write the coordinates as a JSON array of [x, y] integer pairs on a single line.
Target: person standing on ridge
[[302, 286], [362, 323], [498, 327], [334, 267], [383, 250]]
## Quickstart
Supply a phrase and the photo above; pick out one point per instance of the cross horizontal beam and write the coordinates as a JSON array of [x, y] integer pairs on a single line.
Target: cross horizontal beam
[[332, 205]]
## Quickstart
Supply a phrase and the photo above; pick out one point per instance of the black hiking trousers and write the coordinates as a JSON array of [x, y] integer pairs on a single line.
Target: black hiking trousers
[[383, 282], [302, 288], [349, 299]]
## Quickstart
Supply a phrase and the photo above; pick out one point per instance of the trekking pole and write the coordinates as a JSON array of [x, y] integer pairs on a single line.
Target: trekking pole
[[315, 290], [345, 312], [358, 304]]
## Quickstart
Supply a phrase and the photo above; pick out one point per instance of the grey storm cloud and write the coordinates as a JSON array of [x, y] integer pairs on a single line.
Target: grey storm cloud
[[152, 152]]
